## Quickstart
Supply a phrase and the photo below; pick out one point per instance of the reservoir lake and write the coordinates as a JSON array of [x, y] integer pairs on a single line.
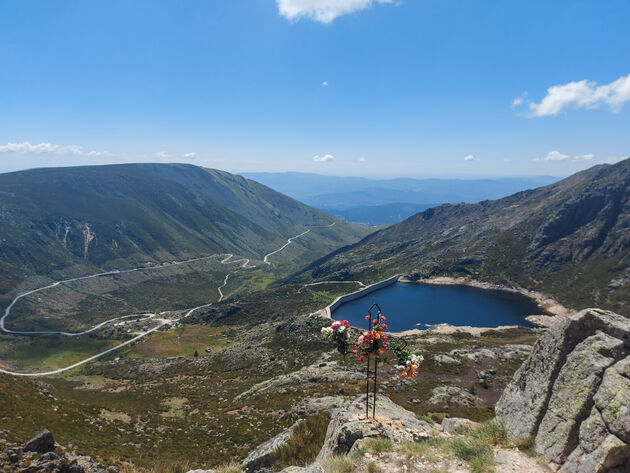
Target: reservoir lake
[[415, 306]]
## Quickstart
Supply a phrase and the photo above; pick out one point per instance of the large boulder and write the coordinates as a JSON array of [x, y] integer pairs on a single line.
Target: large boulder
[[43, 442], [571, 395]]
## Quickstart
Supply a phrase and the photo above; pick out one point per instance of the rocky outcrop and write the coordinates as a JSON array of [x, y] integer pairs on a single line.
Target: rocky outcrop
[[349, 425], [572, 395]]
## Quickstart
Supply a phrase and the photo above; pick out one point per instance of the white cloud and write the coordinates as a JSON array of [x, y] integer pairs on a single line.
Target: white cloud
[[49, 148], [553, 156], [323, 159], [470, 157], [192, 155], [325, 83], [581, 94], [162, 154], [361, 159], [323, 11], [584, 157]]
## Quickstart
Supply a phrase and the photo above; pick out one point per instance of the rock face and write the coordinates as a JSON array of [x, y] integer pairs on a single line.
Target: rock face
[[572, 395], [43, 442], [348, 426]]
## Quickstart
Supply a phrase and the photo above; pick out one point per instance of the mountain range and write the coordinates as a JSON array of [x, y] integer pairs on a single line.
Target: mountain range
[[61, 222], [384, 201], [570, 239]]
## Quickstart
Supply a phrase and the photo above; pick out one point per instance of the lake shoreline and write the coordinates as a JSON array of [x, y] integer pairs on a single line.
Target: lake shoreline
[[554, 310]]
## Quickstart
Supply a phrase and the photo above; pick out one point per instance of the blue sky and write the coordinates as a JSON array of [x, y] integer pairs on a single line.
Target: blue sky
[[343, 87]]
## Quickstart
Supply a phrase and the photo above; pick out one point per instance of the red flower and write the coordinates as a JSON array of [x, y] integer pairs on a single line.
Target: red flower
[[367, 317], [376, 357], [384, 337], [384, 326], [374, 321], [360, 358], [354, 352]]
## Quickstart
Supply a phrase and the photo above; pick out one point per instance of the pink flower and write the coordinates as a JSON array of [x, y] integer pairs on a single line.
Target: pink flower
[[384, 347], [360, 358], [374, 321], [354, 352], [367, 317], [384, 337]]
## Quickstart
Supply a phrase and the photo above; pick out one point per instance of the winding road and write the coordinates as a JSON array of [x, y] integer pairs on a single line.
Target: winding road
[[245, 264]]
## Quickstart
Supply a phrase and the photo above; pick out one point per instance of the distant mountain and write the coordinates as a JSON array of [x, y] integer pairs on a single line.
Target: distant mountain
[[378, 214], [66, 221], [570, 239], [350, 193]]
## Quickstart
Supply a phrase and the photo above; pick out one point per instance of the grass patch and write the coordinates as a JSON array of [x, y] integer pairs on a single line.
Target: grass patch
[[304, 444], [378, 445], [338, 464], [478, 454], [427, 449], [181, 341]]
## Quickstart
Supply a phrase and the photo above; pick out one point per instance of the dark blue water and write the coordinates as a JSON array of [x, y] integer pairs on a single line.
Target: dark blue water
[[405, 305]]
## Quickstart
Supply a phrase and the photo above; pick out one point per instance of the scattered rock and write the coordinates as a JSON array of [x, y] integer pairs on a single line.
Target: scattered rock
[[447, 360], [449, 395], [457, 425]]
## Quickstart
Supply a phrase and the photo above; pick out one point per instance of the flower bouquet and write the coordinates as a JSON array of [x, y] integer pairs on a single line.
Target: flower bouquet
[[408, 363], [372, 341], [338, 332]]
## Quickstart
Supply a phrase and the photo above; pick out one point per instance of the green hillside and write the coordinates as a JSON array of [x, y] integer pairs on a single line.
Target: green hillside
[[62, 222]]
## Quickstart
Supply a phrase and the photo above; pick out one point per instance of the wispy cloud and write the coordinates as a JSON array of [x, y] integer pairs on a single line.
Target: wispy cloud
[[553, 156], [323, 11], [558, 156], [325, 83], [162, 155], [323, 159], [518, 101], [469, 157], [581, 94], [192, 155], [361, 159], [50, 148]]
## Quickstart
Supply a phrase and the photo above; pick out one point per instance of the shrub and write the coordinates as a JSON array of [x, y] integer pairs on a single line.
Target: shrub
[[304, 444]]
